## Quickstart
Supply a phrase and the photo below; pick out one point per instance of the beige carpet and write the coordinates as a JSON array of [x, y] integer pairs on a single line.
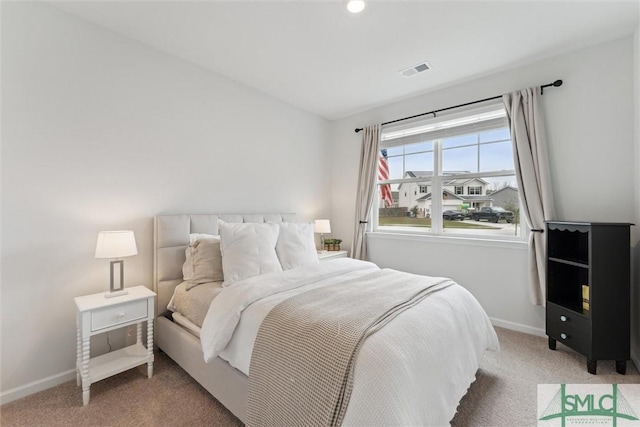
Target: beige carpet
[[505, 390], [504, 393]]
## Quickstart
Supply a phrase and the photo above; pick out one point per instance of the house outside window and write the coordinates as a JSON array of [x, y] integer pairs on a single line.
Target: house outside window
[[443, 156]]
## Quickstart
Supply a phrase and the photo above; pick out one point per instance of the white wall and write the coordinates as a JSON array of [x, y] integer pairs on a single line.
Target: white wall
[[590, 123], [102, 133]]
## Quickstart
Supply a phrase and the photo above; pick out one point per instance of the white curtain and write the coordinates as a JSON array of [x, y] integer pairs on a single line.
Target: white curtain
[[532, 173], [366, 189]]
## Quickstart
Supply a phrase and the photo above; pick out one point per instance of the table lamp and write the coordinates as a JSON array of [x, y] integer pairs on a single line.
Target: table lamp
[[116, 245]]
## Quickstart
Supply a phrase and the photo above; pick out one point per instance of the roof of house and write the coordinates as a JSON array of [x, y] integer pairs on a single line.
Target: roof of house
[[418, 174], [508, 187], [463, 198], [459, 181], [463, 181], [449, 193]]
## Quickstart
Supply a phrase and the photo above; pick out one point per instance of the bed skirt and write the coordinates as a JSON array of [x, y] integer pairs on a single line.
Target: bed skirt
[[223, 381]]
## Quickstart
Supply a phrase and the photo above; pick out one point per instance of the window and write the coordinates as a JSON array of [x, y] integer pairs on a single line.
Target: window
[[474, 190], [443, 156]]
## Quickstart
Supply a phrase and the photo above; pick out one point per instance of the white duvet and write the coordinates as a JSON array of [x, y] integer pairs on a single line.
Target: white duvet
[[412, 372]]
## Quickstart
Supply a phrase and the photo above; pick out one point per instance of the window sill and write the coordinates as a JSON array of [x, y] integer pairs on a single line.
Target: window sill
[[452, 240]]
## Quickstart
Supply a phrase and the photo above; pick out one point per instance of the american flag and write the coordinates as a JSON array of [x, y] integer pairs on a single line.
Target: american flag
[[383, 175]]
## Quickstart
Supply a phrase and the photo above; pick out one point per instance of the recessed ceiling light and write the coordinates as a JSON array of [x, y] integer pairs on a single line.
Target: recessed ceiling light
[[355, 6]]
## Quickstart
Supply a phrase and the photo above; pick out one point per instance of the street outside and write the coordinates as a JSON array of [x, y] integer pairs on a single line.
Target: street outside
[[467, 226]]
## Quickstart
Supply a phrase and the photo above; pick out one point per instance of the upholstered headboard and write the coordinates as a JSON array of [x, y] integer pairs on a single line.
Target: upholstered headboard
[[171, 238]]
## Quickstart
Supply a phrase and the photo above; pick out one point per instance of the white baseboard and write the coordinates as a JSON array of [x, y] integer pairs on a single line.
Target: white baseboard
[[518, 327], [36, 386]]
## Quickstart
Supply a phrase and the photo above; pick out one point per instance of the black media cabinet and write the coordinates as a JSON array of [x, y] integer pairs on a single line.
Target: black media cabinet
[[588, 290]]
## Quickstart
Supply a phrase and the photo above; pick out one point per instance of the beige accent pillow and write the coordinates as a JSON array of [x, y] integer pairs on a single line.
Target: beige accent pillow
[[194, 304], [203, 262]]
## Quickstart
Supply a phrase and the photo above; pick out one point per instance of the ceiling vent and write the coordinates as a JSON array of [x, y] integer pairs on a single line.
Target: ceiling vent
[[416, 69]]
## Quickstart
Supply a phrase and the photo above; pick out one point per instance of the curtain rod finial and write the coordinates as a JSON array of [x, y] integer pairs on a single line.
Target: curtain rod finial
[[358, 130], [557, 83]]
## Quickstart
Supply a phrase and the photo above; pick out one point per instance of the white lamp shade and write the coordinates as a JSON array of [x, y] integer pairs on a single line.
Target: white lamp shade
[[116, 244], [322, 226]]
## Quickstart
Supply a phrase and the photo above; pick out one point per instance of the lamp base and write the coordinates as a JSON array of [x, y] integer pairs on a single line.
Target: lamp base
[[115, 294], [113, 291]]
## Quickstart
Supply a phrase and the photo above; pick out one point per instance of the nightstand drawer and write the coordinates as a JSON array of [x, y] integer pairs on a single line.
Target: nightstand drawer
[[116, 315], [574, 338], [570, 319]]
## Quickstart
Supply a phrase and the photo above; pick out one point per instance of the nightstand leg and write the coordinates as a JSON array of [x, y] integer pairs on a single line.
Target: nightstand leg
[[150, 347], [552, 343], [86, 381], [621, 366], [592, 366], [139, 334], [78, 353]]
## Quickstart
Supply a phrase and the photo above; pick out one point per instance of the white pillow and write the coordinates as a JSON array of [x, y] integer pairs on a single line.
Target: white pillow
[[296, 246], [203, 260], [248, 249]]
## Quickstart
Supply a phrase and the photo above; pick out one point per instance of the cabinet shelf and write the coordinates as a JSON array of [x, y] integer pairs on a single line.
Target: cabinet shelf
[[568, 243], [117, 361], [569, 262]]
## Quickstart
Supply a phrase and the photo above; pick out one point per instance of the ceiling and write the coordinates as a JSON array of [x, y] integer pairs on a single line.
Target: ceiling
[[319, 57]]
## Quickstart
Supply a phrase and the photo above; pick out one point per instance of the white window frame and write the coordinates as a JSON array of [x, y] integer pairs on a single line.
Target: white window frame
[[435, 181]]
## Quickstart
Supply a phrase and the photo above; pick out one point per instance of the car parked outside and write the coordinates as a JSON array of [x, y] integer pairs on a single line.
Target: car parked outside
[[492, 214], [453, 215]]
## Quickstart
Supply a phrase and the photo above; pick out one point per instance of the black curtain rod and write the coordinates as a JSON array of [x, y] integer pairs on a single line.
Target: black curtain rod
[[554, 84]]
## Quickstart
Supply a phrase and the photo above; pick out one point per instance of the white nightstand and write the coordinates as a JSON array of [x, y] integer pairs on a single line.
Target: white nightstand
[[327, 255], [96, 314]]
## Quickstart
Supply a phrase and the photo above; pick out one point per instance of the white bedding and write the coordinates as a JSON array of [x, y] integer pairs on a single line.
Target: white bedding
[[412, 372]]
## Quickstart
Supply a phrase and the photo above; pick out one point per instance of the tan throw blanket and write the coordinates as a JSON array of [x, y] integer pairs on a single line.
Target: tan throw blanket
[[302, 362]]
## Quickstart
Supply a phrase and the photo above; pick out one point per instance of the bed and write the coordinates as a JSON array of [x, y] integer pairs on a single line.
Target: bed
[[424, 386]]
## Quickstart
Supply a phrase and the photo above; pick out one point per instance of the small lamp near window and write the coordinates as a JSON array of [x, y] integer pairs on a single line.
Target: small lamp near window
[[116, 245], [322, 226]]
